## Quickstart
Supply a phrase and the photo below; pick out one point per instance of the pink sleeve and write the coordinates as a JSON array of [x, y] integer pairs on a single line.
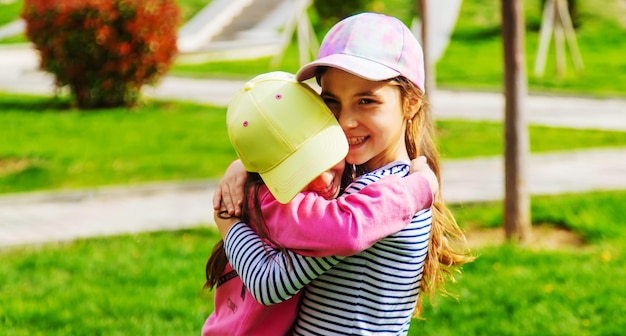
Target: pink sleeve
[[313, 226]]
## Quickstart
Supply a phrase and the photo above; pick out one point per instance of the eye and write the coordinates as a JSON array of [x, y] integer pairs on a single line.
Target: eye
[[333, 105], [365, 101], [330, 101]]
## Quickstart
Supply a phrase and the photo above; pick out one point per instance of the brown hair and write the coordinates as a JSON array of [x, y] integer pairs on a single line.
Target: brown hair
[[250, 214]]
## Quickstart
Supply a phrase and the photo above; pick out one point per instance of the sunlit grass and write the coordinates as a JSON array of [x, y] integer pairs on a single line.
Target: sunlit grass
[[151, 283], [143, 284], [463, 139], [474, 56], [55, 146], [563, 290], [9, 11], [519, 291], [47, 144]]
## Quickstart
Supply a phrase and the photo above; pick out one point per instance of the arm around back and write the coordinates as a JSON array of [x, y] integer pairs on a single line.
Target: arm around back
[[313, 226]]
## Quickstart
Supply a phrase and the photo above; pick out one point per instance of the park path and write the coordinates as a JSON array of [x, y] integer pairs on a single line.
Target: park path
[[41, 217]]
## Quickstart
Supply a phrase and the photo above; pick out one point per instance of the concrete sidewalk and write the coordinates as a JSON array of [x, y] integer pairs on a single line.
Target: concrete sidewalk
[[62, 216], [41, 217]]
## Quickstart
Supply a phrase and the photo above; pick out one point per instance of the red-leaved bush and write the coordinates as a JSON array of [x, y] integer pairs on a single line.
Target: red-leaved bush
[[104, 50]]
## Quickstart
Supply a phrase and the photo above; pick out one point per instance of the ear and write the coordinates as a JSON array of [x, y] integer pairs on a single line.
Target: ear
[[411, 107]]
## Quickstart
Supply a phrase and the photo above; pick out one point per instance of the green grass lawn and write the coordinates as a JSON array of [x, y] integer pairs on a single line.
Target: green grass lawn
[[474, 54], [46, 144], [9, 11], [145, 284], [150, 283]]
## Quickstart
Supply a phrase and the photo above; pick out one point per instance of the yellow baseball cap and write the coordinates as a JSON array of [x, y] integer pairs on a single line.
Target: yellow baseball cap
[[284, 131]]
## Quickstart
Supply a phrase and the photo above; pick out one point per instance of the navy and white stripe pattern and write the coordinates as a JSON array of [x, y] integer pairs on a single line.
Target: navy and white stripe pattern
[[374, 291], [265, 272]]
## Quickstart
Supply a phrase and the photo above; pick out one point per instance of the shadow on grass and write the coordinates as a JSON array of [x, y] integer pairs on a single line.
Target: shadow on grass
[[29, 173], [34, 104]]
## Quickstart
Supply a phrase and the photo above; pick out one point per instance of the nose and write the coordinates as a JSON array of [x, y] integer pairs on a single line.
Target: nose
[[321, 182], [346, 119]]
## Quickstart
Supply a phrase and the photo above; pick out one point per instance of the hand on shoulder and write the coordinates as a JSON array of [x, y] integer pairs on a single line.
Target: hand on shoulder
[[420, 166]]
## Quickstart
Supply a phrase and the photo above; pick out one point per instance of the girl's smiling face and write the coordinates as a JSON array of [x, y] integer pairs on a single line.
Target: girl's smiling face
[[370, 114], [327, 184]]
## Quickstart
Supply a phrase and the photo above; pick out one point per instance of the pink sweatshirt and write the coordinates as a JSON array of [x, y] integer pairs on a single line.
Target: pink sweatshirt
[[343, 226]]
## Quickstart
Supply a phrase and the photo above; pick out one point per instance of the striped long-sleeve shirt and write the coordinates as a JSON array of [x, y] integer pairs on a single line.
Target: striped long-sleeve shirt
[[374, 291]]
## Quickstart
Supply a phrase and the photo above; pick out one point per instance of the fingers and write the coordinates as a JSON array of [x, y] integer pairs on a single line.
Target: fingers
[[231, 187], [217, 198], [232, 198], [223, 200], [228, 201], [418, 164], [238, 205], [229, 192]]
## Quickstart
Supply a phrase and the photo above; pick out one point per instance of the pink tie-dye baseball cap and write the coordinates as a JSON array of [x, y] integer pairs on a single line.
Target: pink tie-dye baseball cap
[[372, 46]]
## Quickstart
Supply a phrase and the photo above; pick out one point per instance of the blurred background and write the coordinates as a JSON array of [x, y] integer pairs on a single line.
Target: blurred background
[[112, 139]]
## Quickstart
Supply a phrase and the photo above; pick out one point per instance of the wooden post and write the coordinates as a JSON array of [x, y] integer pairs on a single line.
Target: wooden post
[[307, 41], [559, 48], [516, 198], [556, 19], [429, 67], [570, 33]]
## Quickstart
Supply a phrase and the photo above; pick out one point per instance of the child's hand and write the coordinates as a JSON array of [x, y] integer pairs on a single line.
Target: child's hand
[[229, 192], [420, 166]]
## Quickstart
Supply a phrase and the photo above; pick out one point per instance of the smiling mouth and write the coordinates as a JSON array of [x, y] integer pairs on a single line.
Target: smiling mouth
[[328, 192], [353, 141]]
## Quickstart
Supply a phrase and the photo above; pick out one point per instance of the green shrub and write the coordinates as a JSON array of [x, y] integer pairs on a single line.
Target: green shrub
[[104, 50]]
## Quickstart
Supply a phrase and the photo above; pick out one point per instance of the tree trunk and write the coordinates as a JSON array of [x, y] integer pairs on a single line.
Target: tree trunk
[[516, 199]]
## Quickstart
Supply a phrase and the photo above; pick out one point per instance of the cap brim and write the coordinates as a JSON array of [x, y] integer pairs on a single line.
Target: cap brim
[[317, 155], [357, 66]]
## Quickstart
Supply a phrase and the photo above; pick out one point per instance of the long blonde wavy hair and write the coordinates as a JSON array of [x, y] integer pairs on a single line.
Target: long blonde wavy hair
[[447, 249]]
